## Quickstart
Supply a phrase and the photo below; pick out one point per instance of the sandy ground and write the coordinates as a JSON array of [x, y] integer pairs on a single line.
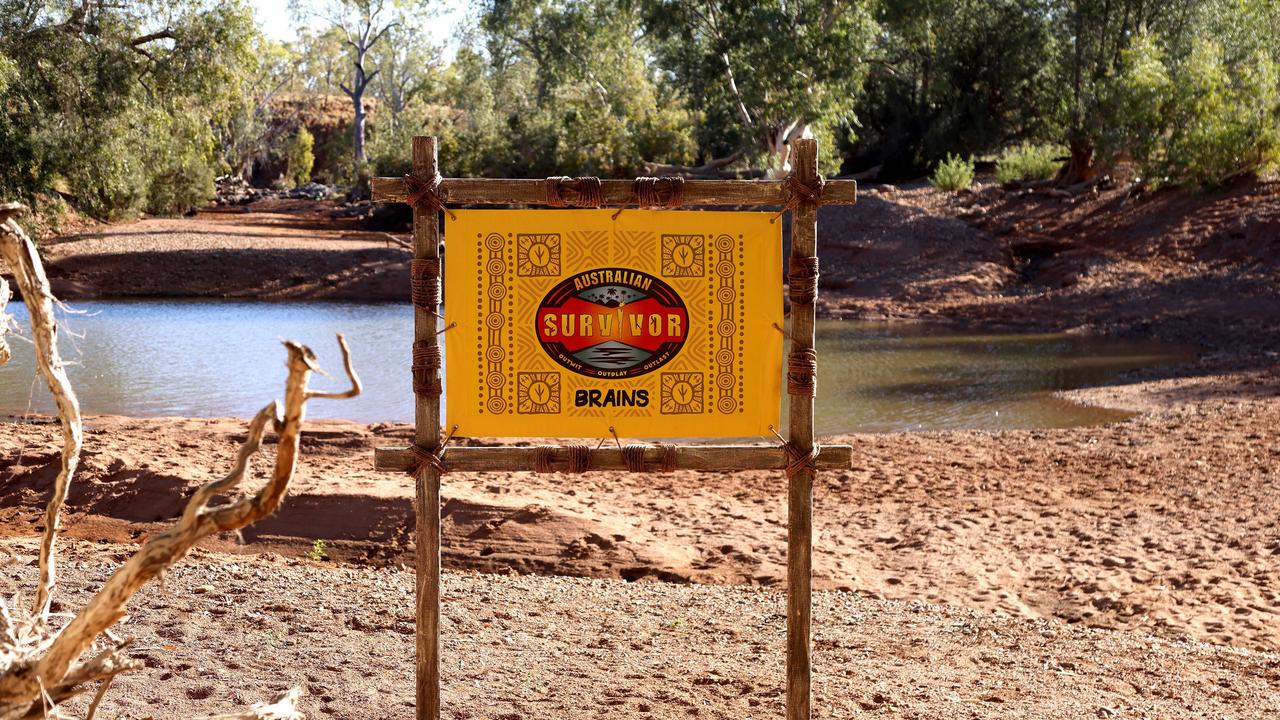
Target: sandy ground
[[1048, 573], [1161, 524], [225, 631]]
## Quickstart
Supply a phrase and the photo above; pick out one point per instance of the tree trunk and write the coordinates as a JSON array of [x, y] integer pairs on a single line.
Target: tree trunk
[[357, 129], [779, 143], [1080, 167]]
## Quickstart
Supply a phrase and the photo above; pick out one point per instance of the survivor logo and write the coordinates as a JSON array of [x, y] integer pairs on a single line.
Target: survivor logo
[[612, 323]]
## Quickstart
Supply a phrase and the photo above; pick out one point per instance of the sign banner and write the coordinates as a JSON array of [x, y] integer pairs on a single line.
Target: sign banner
[[655, 323]]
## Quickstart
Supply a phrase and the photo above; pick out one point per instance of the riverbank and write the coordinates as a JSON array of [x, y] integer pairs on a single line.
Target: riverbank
[[1159, 524], [1104, 263], [271, 250]]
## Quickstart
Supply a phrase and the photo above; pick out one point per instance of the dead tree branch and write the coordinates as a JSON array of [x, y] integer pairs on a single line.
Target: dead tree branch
[[713, 168], [5, 296], [39, 668], [17, 250], [53, 670], [282, 707]]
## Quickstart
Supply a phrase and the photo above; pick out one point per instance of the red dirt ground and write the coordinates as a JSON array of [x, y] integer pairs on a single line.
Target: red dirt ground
[[1038, 574]]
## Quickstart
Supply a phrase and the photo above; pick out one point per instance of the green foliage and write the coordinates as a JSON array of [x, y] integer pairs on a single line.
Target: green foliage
[[953, 173], [565, 88], [8, 72], [1028, 162], [118, 117], [966, 77], [1226, 117], [1195, 121], [318, 552], [181, 167], [334, 165], [300, 157], [248, 130], [754, 69]]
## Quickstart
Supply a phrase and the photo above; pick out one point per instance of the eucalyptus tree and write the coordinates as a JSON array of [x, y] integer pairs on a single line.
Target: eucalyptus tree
[[764, 72], [363, 25], [574, 83], [1092, 38], [408, 66], [955, 76], [112, 102], [1215, 107]]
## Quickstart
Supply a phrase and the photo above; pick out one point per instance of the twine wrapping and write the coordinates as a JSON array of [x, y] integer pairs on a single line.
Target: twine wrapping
[[424, 195], [424, 459], [424, 283], [659, 193], [542, 457], [800, 462], [802, 373], [802, 280], [426, 361], [579, 458], [582, 192], [633, 456], [801, 194], [670, 458]]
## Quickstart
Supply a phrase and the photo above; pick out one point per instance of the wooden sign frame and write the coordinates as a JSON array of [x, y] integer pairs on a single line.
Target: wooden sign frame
[[801, 193]]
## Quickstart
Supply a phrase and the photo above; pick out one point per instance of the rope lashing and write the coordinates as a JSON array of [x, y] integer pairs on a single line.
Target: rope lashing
[[578, 456], [800, 193], [582, 192], [542, 457], [802, 373], [424, 283], [670, 458], [424, 195], [802, 280], [633, 456], [659, 193], [424, 459], [426, 361], [798, 462]]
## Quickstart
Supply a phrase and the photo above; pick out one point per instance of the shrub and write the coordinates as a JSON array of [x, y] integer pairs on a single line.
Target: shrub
[[1199, 120], [1227, 117], [953, 174], [1027, 163], [300, 157], [181, 165]]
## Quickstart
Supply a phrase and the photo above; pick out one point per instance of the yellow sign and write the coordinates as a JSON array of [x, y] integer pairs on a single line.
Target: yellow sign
[[655, 323]]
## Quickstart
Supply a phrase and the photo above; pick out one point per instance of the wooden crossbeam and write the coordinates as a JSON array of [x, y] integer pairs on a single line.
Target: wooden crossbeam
[[702, 458], [485, 191]]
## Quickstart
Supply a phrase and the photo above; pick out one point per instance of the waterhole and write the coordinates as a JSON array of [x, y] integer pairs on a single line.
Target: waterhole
[[202, 358]]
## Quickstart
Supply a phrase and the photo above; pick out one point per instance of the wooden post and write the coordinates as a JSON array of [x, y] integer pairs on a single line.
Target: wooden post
[[622, 193], [804, 244], [426, 245]]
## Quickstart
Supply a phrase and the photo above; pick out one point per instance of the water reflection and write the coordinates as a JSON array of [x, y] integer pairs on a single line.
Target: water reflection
[[216, 358]]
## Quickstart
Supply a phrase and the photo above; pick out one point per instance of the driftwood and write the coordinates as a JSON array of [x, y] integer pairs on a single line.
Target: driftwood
[[40, 668], [713, 169]]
